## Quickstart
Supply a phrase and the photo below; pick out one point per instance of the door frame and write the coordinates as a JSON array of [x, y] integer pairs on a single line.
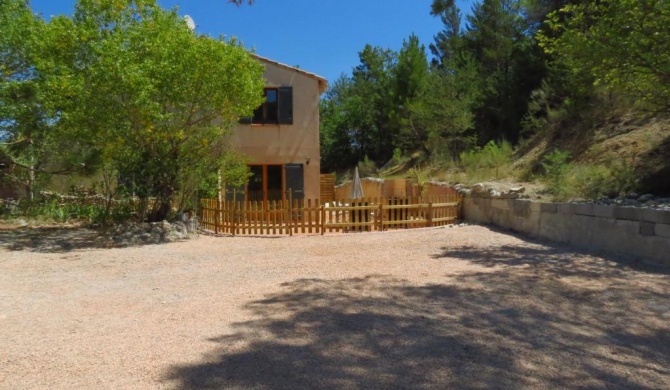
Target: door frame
[[265, 182]]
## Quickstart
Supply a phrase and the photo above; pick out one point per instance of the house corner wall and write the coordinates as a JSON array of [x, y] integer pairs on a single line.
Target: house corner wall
[[297, 143]]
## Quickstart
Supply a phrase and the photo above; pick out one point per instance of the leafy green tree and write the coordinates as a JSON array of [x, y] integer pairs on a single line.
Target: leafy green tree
[[157, 97], [30, 135], [22, 128], [623, 44]]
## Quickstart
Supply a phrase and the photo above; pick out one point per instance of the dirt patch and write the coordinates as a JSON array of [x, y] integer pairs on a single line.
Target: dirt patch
[[427, 308]]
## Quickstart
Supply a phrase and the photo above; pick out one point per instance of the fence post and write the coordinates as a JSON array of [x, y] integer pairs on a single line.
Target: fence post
[[217, 213], [323, 219], [234, 217], [430, 214], [380, 219], [290, 212]]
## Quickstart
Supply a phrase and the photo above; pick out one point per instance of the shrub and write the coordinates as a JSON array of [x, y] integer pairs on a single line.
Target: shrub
[[566, 181], [420, 177], [492, 160], [556, 166], [367, 168]]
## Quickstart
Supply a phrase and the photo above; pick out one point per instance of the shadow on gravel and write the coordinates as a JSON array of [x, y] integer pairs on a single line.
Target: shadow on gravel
[[551, 257], [506, 328], [55, 239]]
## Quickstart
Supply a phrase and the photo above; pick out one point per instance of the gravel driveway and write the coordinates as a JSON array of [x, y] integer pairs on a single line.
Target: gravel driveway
[[464, 307]]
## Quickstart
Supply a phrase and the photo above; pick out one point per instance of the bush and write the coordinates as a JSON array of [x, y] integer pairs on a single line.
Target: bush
[[420, 177], [494, 160], [367, 168], [556, 166], [567, 181], [614, 178], [67, 208]]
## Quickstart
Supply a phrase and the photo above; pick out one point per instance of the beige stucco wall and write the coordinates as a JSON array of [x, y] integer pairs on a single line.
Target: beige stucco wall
[[285, 144]]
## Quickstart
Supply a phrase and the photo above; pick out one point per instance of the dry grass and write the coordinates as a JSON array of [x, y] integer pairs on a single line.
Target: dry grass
[[428, 308]]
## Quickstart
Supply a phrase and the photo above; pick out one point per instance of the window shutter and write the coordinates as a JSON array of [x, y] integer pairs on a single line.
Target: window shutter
[[295, 180], [286, 105]]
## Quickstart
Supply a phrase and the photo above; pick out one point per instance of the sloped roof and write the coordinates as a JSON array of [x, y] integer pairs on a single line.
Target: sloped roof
[[323, 83]]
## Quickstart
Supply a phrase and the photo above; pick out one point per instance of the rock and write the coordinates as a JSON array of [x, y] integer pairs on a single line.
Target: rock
[[479, 189], [171, 237], [465, 191], [633, 195], [517, 190], [645, 198], [510, 195], [180, 228], [631, 202], [494, 194]]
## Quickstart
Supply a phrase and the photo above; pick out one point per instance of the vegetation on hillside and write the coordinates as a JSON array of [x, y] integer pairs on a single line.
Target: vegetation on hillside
[[550, 78]]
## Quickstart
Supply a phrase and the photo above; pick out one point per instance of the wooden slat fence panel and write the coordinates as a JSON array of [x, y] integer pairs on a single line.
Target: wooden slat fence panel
[[310, 216], [327, 187]]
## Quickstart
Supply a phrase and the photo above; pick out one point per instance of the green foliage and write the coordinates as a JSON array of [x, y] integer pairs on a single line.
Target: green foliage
[[367, 168], [410, 79], [491, 161], [613, 178], [556, 165], [565, 180], [30, 136], [78, 208], [397, 156], [447, 42], [127, 86], [509, 66], [420, 177], [621, 44], [445, 109], [338, 149], [356, 113]]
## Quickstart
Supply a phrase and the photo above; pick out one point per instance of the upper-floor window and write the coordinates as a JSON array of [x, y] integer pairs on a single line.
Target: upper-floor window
[[268, 112], [277, 109]]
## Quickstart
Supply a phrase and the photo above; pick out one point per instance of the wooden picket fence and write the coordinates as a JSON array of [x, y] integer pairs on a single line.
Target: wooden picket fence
[[293, 216]]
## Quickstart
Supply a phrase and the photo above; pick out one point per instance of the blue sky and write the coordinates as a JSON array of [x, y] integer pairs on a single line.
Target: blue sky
[[321, 36]]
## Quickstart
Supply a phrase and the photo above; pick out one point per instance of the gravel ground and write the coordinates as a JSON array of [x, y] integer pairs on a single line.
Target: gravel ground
[[465, 307]]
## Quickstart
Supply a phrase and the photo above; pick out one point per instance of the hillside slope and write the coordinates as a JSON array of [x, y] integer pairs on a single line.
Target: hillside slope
[[626, 141]]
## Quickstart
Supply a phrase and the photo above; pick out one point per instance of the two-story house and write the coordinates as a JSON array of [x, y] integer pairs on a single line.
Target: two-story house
[[282, 137]]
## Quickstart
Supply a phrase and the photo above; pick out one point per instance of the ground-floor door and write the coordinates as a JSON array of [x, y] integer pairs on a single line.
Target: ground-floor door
[[270, 182]]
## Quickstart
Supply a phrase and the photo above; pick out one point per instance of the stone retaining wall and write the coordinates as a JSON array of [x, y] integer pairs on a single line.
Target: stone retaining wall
[[642, 233]]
